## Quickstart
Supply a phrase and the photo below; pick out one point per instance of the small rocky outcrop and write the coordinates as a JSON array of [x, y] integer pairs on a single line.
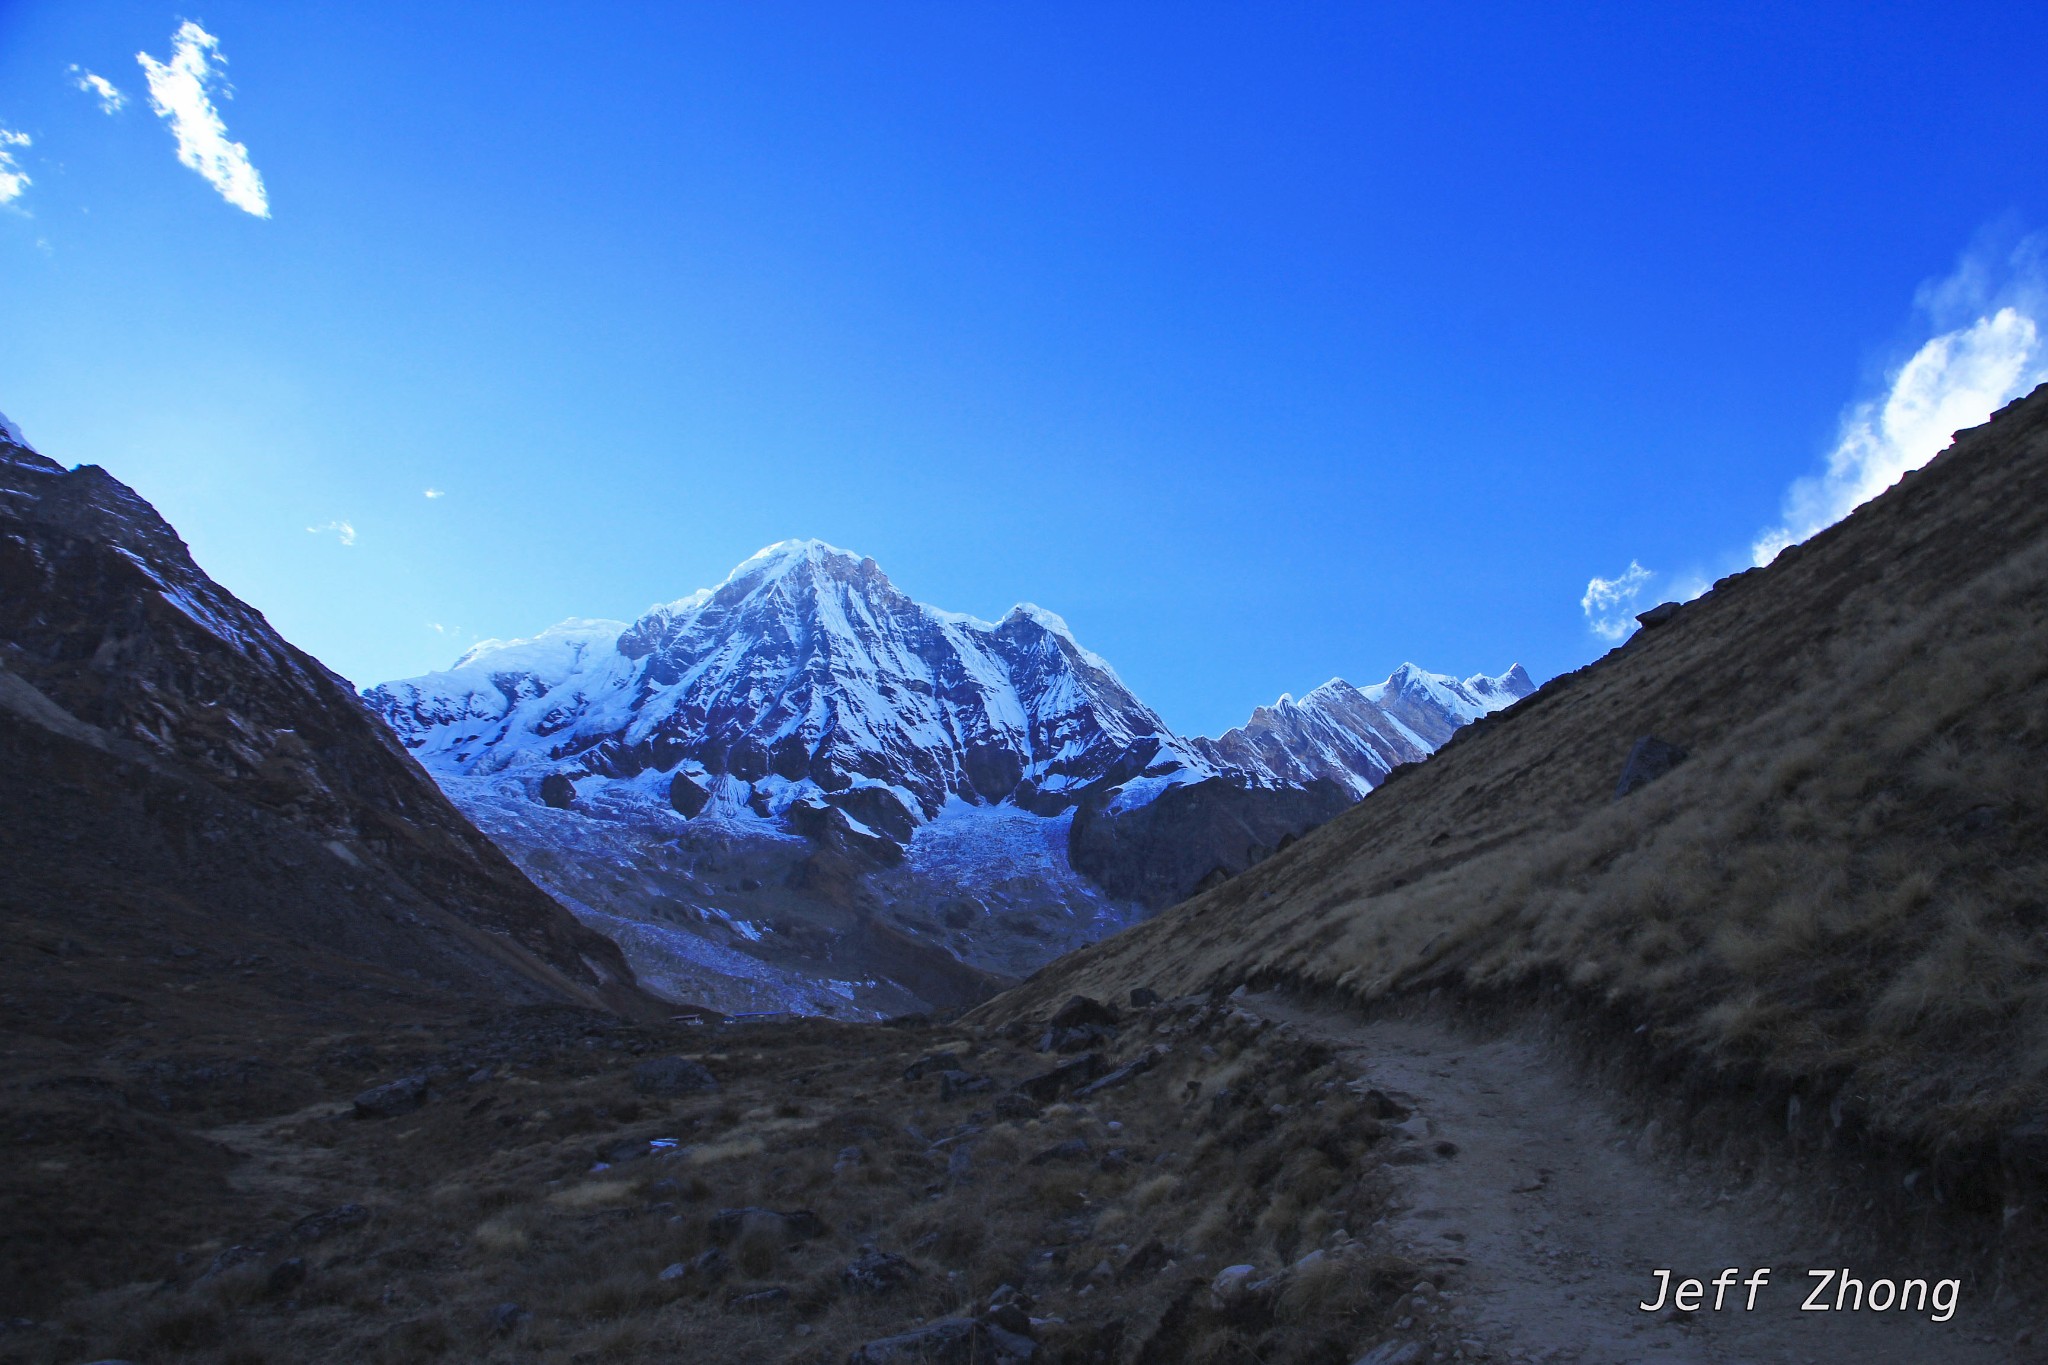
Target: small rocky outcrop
[[558, 791], [1649, 760], [1163, 852]]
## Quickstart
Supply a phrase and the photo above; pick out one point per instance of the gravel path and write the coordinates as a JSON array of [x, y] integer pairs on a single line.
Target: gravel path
[[1544, 1224]]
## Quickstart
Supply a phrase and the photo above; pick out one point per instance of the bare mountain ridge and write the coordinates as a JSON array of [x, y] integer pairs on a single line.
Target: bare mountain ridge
[[169, 743]]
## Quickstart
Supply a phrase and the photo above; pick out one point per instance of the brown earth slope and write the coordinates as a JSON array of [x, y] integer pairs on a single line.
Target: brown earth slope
[[1833, 915]]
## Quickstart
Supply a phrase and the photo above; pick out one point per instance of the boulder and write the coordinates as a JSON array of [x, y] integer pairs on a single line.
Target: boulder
[[1137, 1066], [671, 1076], [1231, 1286], [1658, 615], [1073, 1149], [1649, 760], [393, 1098], [1143, 997], [1048, 1086], [558, 791], [688, 798], [877, 1272], [1081, 1011]]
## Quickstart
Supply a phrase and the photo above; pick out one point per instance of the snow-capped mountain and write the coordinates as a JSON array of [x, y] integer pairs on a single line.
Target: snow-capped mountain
[[804, 680], [808, 703], [1355, 736]]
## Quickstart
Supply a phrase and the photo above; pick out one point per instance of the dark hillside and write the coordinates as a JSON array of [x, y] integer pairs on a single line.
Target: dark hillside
[[213, 858], [1835, 908]]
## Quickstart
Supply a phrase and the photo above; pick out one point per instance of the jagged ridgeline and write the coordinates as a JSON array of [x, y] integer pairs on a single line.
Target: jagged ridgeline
[[803, 790], [1819, 888]]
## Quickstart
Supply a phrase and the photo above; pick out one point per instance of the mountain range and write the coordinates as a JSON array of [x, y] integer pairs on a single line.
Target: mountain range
[[804, 790]]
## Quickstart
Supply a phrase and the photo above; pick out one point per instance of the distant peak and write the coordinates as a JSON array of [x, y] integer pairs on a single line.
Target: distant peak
[[577, 630], [11, 434]]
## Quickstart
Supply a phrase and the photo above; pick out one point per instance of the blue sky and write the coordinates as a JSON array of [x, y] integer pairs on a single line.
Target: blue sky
[[1264, 343]]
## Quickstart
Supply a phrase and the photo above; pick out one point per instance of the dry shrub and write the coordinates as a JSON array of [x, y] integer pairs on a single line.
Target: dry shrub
[[1331, 1286], [505, 1233], [593, 1194]]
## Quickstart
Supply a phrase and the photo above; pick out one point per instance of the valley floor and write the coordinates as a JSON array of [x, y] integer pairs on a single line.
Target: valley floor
[[1543, 1229]]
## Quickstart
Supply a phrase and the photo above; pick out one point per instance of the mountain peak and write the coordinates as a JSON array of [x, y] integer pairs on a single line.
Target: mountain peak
[[773, 561]]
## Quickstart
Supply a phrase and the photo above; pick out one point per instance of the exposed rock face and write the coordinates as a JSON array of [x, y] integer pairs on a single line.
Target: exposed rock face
[[159, 740], [1192, 837]]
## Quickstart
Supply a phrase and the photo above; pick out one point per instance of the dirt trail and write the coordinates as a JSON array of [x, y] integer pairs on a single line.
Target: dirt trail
[[1558, 1218]]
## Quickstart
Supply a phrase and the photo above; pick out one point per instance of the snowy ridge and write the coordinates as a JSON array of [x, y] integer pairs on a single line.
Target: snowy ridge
[[806, 679]]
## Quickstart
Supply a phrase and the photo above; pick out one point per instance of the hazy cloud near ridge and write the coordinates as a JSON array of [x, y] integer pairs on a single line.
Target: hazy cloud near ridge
[[13, 179], [179, 93], [111, 100], [1610, 603], [1989, 319], [1988, 352]]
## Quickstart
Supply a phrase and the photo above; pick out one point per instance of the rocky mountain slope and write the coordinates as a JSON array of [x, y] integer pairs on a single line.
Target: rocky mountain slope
[[1781, 860], [802, 789], [214, 858]]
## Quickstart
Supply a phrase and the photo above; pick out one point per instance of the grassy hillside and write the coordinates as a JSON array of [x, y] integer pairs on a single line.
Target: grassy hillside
[[1840, 898]]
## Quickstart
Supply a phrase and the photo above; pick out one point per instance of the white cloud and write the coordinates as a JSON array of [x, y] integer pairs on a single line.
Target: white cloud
[[178, 91], [13, 179], [1610, 603], [433, 493], [1987, 351], [111, 99], [345, 532]]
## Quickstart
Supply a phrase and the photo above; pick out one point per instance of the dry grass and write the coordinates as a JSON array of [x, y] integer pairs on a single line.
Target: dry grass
[[496, 1200], [1842, 894]]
